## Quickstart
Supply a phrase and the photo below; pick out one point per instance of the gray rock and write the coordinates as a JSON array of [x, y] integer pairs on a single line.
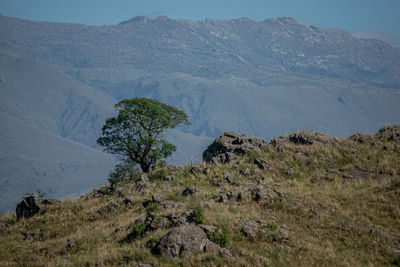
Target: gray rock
[[262, 164], [245, 172], [226, 146], [225, 253], [196, 169], [263, 196], [251, 230], [244, 196], [169, 178], [128, 200], [300, 157], [184, 241], [189, 191], [29, 236]]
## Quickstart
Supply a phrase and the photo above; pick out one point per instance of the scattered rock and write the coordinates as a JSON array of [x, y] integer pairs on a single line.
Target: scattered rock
[[189, 191], [170, 178], [156, 198], [224, 148], [128, 200], [263, 196], [223, 198], [178, 219], [225, 253], [245, 172], [360, 175], [251, 230], [29, 206], [112, 207], [184, 241], [300, 138], [29, 236], [361, 138], [290, 172], [300, 157], [196, 169], [244, 196], [389, 133], [262, 164]]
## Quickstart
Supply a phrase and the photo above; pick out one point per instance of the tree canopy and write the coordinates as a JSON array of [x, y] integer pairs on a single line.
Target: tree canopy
[[136, 133]]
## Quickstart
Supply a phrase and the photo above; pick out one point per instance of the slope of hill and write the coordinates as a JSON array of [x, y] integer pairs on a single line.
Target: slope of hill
[[262, 78], [304, 199]]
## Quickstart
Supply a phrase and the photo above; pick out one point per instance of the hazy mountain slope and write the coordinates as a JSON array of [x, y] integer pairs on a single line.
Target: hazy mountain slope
[[262, 78], [393, 40]]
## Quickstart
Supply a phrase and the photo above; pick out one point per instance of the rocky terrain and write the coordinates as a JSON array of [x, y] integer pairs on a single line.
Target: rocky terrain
[[59, 82], [301, 199]]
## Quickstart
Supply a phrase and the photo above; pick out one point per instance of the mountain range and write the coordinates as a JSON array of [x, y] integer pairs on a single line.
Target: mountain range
[[59, 82]]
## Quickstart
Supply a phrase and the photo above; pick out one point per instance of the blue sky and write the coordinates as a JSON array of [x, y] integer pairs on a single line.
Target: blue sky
[[351, 15]]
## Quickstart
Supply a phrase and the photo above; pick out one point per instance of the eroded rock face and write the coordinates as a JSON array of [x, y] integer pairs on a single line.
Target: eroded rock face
[[29, 206], [184, 241], [226, 146], [304, 138]]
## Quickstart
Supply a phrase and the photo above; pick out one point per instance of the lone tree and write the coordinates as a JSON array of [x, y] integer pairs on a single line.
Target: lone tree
[[136, 133]]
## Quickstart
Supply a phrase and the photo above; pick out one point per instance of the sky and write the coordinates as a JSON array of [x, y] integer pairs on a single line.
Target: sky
[[350, 15]]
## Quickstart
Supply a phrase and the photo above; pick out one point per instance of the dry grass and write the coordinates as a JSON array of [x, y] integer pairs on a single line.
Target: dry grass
[[331, 213]]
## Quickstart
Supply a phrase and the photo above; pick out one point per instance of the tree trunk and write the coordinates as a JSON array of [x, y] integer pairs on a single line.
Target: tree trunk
[[145, 167]]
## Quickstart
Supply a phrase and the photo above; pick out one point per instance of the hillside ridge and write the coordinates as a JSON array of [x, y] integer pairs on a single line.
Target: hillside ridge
[[300, 199]]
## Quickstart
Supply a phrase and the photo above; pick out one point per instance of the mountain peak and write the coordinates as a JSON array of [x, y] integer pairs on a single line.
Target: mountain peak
[[137, 19], [282, 20]]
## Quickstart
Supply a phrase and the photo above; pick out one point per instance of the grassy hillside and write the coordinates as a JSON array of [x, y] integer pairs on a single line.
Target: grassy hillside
[[332, 202]]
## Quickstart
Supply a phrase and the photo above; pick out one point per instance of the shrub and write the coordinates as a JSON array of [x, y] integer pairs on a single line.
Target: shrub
[[138, 230], [219, 237], [197, 215], [152, 207], [122, 171]]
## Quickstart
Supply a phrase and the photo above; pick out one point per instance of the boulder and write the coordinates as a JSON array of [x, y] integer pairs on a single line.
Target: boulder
[[262, 164], [189, 191], [184, 241], [225, 148], [29, 206]]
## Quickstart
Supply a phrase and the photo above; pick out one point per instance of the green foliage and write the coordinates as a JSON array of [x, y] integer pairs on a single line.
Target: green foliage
[[136, 133], [138, 230], [123, 170], [197, 215], [159, 174], [396, 260], [152, 207], [219, 237]]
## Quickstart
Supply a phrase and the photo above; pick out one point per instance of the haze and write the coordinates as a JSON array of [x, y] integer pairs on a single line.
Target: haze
[[350, 15]]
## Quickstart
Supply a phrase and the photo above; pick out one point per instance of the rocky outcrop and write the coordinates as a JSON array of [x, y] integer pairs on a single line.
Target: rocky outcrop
[[304, 138], [29, 206], [184, 241], [389, 133], [225, 148]]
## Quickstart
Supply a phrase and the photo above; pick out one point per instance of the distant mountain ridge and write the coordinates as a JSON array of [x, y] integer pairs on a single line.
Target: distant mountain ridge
[[262, 78]]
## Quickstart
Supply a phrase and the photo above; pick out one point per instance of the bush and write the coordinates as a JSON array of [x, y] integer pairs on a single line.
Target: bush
[[396, 260], [138, 230], [123, 171], [219, 237], [197, 215], [152, 207]]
